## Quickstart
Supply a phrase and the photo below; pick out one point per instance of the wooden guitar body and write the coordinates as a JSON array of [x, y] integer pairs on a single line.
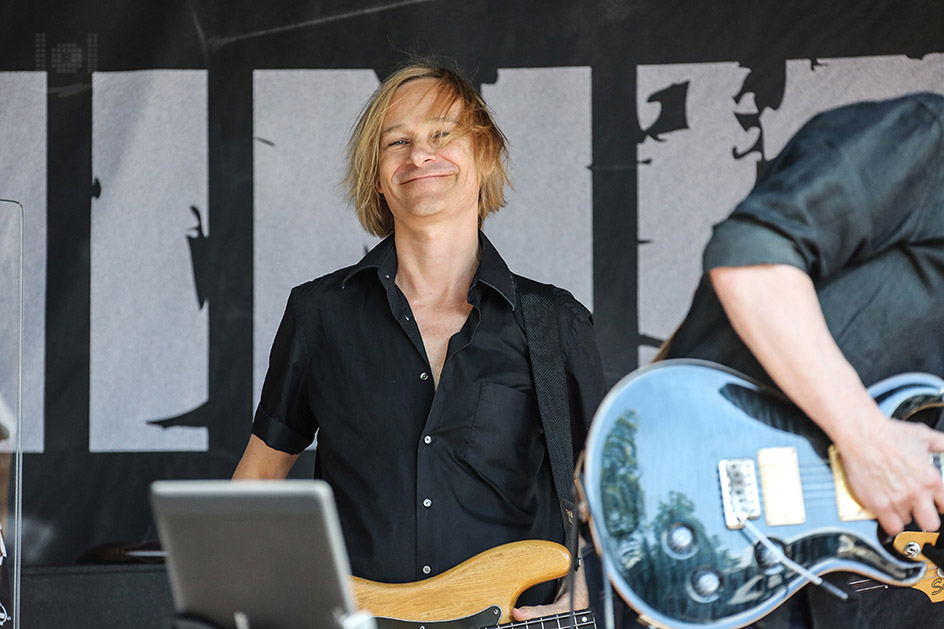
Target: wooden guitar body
[[692, 473], [482, 589]]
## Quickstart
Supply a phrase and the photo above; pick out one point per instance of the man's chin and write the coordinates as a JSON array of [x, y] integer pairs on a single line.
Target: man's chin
[[421, 208]]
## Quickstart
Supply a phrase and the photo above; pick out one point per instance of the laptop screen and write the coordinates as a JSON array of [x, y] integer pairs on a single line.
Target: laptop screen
[[255, 554]]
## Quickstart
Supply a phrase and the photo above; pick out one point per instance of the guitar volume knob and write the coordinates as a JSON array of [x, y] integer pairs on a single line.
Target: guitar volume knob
[[706, 583], [680, 540]]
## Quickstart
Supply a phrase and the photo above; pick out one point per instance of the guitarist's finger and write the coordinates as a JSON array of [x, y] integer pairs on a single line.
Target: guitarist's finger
[[935, 482], [939, 500], [935, 438], [924, 493], [927, 517], [525, 612], [530, 612], [890, 522]]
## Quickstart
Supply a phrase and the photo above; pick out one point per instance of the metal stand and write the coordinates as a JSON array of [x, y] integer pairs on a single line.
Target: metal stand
[[358, 620], [11, 283]]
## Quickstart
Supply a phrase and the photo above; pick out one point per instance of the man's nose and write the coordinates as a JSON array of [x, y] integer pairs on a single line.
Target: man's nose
[[421, 151]]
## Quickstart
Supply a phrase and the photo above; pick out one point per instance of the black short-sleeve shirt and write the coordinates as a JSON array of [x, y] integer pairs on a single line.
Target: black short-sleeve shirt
[[855, 200], [424, 478]]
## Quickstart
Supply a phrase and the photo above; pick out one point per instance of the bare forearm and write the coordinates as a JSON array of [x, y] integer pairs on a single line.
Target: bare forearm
[[261, 462], [775, 311]]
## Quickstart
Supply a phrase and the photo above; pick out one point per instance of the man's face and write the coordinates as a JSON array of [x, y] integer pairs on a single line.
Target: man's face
[[424, 173]]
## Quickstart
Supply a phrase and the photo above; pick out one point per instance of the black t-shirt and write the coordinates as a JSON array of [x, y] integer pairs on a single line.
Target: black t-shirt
[[423, 478]]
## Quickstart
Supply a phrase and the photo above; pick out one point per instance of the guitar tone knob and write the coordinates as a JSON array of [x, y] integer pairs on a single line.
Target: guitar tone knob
[[680, 540], [706, 583]]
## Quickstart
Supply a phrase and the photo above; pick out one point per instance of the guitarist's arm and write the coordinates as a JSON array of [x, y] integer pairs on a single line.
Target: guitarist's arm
[[561, 604], [261, 462], [775, 311]]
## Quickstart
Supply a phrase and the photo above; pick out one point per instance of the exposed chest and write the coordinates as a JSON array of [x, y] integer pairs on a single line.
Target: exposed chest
[[437, 324]]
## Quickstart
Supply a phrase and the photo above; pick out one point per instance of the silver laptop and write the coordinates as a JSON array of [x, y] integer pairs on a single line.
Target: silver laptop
[[256, 554]]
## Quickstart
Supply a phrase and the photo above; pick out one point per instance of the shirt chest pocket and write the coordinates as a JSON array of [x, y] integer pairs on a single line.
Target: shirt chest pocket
[[506, 442]]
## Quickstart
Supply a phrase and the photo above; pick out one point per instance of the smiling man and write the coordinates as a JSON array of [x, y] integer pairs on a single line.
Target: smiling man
[[413, 365]]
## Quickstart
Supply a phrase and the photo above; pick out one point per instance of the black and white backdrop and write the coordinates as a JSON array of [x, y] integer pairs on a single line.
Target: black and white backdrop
[[179, 165]]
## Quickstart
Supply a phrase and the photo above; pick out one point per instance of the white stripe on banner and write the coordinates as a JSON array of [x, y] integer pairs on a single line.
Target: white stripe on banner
[[23, 168], [688, 180], [546, 230], [149, 334]]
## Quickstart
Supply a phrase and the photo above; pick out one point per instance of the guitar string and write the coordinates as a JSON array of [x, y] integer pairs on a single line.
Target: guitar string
[[865, 584], [817, 483]]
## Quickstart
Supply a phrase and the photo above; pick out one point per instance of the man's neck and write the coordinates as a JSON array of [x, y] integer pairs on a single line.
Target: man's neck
[[436, 263]]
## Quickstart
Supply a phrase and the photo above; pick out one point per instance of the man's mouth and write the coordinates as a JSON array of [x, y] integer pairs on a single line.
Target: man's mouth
[[426, 175]]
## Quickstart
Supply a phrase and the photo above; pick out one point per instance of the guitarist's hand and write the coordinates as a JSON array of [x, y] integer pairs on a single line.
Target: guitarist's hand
[[887, 464], [561, 604]]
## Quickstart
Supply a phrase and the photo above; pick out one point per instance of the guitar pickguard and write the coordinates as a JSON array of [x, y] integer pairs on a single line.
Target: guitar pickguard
[[485, 618]]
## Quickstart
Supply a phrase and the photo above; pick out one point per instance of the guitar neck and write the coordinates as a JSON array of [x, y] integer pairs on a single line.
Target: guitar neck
[[576, 620]]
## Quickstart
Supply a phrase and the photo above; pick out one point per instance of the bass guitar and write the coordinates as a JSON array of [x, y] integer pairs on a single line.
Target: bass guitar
[[712, 499], [479, 593]]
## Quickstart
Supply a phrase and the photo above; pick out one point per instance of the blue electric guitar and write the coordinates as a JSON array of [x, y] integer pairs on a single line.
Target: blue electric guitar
[[713, 499]]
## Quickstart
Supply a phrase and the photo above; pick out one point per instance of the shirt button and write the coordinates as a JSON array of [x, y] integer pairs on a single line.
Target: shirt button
[[427, 503], [407, 317], [427, 439], [427, 569], [424, 376]]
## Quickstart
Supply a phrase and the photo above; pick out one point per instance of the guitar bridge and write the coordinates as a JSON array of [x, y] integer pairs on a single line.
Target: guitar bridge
[[739, 493]]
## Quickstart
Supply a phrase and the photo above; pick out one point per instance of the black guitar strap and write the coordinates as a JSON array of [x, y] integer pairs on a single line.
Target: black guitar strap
[[550, 385]]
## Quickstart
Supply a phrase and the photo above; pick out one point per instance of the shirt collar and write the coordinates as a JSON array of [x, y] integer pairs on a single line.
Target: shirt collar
[[383, 258], [494, 273], [492, 270]]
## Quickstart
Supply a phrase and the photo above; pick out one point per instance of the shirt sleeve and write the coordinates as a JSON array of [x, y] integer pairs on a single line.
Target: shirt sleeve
[[852, 183], [283, 419]]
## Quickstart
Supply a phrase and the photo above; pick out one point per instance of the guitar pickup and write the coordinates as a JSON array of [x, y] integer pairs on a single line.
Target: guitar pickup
[[847, 507], [781, 486], [739, 493]]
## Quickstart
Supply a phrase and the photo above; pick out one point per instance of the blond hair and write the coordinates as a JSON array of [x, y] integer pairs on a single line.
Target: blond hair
[[363, 149]]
